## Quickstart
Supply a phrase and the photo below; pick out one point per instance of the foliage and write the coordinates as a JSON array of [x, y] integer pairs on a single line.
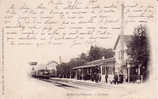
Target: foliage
[[139, 51], [97, 53]]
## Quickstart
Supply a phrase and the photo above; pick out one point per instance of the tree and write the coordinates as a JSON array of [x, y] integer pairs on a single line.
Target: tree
[[83, 56], [94, 53], [98, 52], [107, 53], [139, 51]]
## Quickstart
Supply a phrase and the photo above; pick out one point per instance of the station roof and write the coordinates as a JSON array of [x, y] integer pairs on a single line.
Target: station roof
[[84, 66], [96, 63], [101, 61]]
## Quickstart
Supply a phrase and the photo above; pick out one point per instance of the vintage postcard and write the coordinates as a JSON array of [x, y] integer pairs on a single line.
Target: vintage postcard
[[78, 49]]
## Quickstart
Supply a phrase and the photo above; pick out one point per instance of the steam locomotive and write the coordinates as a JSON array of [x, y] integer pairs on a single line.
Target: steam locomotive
[[41, 74]]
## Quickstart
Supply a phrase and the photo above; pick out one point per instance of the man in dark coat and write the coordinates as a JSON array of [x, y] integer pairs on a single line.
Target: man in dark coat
[[106, 78], [116, 79]]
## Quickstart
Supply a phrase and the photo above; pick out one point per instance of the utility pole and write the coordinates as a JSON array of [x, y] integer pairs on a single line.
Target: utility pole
[[122, 42], [122, 32], [122, 19], [60, 61]]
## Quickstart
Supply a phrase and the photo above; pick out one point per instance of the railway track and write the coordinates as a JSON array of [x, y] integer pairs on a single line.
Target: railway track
[[71, 84]]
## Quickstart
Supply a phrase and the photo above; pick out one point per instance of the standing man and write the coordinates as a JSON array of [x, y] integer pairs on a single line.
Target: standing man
[[106, 78], [116, 78]]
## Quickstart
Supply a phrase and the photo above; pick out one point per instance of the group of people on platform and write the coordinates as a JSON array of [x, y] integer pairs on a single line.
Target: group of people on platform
[[117, 79], [95, 75]]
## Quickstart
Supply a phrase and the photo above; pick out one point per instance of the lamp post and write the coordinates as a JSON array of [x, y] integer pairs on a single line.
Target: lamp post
[[129, 62], [128, 72]]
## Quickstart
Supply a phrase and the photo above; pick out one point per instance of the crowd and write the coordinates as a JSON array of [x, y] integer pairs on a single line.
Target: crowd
[[117, 79]]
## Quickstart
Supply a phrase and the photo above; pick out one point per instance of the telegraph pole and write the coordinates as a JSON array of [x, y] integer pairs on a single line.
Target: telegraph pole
[[60, 61], [122, 42], [122, 19]]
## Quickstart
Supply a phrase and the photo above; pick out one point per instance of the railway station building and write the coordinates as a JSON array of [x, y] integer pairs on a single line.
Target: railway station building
[[117, 65], [96, 70]]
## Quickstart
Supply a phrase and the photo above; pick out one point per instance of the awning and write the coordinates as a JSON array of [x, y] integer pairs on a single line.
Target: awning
[[84, 66], [97, 63], [102, 61]]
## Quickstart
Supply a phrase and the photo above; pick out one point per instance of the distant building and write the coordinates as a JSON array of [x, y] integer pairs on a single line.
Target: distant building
[[51, 65]]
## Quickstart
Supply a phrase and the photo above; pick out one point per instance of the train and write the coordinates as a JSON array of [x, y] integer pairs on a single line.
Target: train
[[43, 73]]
